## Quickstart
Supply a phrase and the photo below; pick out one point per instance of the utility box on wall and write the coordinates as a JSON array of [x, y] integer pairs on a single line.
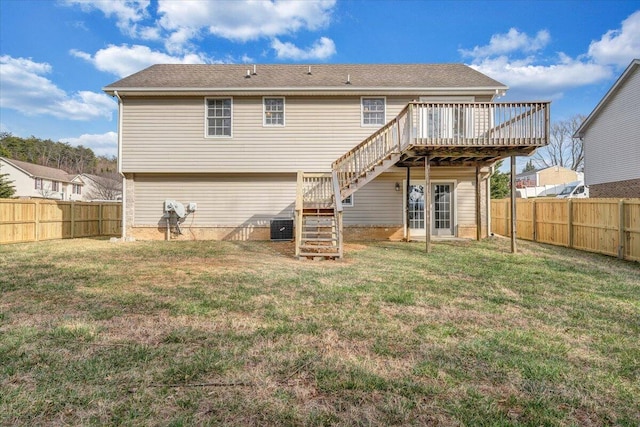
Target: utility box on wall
[[281, 229]]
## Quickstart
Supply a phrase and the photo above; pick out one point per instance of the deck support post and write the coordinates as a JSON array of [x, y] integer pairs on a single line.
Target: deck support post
[[427, 203], [478, 205], [406, 205], [514, 249]]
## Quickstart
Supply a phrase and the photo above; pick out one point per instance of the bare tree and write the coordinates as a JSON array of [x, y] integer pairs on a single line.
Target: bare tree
[[105, 186], [563, 149]]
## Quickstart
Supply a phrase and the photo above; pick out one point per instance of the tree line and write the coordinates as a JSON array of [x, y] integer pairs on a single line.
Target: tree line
[[55, 154]]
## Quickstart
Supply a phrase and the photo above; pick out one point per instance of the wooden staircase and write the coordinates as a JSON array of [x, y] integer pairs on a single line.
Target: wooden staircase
[[320, 233], [318, 221], [513, 128], [319, 198]]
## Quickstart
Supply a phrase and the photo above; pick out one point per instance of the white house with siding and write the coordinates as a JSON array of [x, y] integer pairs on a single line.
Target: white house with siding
[[36, 181], [353, 147], [611, 137]]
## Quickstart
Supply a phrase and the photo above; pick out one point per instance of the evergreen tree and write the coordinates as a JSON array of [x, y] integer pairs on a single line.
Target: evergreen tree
[[529, 166], [499, 183], [6, 189]]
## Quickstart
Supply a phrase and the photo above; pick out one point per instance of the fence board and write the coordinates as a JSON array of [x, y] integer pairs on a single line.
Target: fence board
[[631, 228], [28, 220], [592, 225]]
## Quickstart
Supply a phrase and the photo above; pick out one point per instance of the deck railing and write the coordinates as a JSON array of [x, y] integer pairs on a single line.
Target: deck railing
[[480, 124], [471, 124]]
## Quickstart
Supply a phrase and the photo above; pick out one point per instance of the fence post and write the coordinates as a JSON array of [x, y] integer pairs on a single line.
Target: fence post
[[534, 231], [507, 216], [100, 207], [36, 215], [621, 234], [73, 219], [570, 223]]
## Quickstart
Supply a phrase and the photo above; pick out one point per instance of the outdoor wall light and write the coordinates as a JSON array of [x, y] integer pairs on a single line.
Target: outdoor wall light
[[397, 186]]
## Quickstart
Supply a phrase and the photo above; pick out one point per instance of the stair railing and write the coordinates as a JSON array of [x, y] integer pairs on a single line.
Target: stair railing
[[391, 138], [337, 211]]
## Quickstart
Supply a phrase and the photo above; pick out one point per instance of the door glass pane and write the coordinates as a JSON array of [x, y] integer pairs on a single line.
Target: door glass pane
[[416, 206], [442, 206]]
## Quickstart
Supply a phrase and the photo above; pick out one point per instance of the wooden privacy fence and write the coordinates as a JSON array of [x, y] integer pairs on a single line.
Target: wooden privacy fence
[[606, 226], [31, 220]]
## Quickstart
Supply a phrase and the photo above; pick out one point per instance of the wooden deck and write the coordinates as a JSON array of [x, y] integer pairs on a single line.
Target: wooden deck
[[426, 134]]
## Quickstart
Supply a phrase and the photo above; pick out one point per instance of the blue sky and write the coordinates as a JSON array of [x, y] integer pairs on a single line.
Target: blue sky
[[56, 55]]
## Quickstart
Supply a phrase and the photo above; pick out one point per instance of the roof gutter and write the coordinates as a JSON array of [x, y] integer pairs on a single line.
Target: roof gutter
[[318, 90]]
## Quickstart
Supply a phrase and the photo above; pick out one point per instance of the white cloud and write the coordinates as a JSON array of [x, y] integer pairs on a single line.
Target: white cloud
[[517, 60], [128, 14], [125, 60], [24, 89], [179, 22], [512, 41], [618, 47], [321, 49], [546, 80], [244, 20], [105, 144]]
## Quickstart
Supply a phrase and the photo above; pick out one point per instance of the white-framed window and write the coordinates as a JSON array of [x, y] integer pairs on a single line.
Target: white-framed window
[[348, 201], [39, 185], [373, 111], [55, 186], [77, 189], [218, 117], [273, 111]]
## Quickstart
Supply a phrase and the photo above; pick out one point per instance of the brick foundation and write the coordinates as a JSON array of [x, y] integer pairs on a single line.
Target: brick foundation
[[619, 190], [354, 234]]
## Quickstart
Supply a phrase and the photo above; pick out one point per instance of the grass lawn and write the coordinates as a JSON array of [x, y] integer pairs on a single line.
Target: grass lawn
[[240, 333]]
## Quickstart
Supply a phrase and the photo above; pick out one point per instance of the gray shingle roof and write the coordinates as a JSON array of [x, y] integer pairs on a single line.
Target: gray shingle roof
[[323, 76], [39, 171]]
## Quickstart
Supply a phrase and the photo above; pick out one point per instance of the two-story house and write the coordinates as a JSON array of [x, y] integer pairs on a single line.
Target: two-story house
[[37, 181], [385, 151], [611, 138]]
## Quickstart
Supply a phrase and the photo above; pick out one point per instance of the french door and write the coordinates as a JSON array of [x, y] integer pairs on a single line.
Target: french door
[[442, 209]]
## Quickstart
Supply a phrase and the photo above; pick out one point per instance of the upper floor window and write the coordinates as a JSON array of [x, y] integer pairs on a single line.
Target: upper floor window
[[218, 117], [77, 189], [373, 111], [39, 185], [273, 111]]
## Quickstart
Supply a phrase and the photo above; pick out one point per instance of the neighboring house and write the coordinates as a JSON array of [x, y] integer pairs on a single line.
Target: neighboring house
[[611, 137], [36, 181], [553, 175], [101, 187], [250, 144]]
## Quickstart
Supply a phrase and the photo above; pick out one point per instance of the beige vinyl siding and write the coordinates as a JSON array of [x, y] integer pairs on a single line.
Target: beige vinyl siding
[[378, 203], [612, 140], [236, 200], [167, 134], [253, 199]]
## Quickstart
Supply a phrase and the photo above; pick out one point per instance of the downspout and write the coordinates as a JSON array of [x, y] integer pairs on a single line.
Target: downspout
[[124, 181]]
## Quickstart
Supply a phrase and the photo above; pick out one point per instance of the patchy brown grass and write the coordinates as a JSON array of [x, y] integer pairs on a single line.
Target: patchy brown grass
[[240, 333]]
